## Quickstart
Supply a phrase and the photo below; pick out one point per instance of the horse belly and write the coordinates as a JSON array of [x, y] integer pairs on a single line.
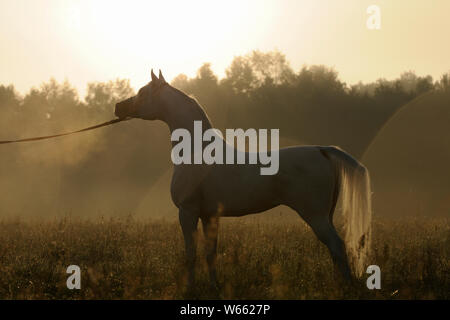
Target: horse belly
[[239, 192]]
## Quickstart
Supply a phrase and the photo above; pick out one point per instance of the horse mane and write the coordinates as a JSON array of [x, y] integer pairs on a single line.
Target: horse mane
[[188, 97]]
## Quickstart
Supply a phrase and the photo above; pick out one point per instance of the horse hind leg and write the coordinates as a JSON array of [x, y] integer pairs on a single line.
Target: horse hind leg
[[317, 209], [332, 240], [328, 235], [322, 226]]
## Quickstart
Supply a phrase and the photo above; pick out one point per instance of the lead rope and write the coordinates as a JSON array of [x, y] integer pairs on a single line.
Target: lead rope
[[67, 133]]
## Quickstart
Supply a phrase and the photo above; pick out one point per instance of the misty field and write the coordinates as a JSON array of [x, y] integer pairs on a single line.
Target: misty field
[[259, 257]]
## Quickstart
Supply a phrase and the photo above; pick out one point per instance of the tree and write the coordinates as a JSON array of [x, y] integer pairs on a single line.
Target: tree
[[52, 105], [9, 107], [444, 83], [181, 82], [256, 69], [102, 97], [270, 67], [240, 76], [424, 84]]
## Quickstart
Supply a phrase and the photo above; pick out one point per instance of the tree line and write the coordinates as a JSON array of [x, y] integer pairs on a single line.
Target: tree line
[[114, 166]]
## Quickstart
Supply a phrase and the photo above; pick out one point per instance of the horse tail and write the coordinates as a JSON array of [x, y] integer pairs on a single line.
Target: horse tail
[[354, 185]]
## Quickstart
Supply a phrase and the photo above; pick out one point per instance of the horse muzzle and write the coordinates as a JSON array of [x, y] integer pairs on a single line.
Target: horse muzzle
[[125, 108]]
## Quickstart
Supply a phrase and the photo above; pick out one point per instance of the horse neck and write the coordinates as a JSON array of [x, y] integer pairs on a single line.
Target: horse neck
[[180, 112]]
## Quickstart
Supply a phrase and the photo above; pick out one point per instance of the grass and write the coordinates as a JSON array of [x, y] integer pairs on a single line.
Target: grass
[[258, 258]]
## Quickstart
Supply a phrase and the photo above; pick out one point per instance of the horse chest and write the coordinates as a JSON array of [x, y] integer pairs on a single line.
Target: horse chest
[[186, 184]]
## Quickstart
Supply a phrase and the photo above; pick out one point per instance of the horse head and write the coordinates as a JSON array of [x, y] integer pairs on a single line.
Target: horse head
[[145, 104]]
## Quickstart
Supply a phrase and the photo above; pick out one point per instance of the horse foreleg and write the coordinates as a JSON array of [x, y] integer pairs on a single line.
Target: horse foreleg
[[189, 221], [210, 230]]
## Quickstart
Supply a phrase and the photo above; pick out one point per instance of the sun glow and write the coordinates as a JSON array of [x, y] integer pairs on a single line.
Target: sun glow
[[186, 33], [100, 40]]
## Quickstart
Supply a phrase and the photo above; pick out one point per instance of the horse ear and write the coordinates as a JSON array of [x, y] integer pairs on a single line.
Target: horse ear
[[161, 78], [154, 78]]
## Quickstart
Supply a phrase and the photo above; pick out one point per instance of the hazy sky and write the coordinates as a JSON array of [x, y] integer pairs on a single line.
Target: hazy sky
[[99, 40]]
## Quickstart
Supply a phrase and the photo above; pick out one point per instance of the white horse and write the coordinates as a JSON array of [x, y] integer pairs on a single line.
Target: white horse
[[310, 180]]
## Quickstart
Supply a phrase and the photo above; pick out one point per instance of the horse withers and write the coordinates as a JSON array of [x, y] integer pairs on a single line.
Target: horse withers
[[310, 180]]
